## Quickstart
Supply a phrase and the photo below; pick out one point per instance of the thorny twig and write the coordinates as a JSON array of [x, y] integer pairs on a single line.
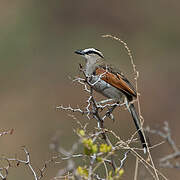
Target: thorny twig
[[122, 161], [93, 109], [165, 161], [7, 132], [4, 171], [101, 126], [70, 155]]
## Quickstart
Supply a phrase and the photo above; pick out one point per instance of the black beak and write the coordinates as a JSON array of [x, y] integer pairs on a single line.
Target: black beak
[[80, 52]]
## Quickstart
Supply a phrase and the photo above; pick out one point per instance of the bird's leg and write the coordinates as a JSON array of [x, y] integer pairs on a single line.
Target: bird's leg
[[110, 111]]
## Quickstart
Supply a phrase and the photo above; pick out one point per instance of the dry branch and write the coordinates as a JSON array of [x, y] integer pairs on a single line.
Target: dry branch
[[167, 136]]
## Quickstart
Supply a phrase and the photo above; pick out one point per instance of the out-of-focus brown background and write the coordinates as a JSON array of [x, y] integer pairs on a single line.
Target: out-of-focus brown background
[[37, 43]]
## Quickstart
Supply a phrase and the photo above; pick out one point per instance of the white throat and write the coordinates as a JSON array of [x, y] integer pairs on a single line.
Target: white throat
[[90, 67], [91, 63]]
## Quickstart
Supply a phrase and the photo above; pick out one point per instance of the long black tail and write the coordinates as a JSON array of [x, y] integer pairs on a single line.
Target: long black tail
[[138, 126]]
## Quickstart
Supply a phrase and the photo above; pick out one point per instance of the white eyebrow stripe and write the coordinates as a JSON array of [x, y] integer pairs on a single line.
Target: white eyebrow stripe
[[93, 50], [90, 49]]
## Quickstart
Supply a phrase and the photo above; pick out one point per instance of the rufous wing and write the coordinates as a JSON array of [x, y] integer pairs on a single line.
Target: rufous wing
[[116, 80]]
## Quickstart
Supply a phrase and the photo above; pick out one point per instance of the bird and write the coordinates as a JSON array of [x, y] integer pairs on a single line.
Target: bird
[[111, 83]]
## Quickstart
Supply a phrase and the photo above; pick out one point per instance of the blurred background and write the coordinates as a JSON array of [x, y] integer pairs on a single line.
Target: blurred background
[[37, 43]]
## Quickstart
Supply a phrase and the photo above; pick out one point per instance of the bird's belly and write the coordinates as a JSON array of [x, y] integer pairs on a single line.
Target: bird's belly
[[106, 89]]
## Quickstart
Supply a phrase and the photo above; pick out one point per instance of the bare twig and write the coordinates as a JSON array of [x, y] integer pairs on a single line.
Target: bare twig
[[165, 161], [19, 161], [136, 168], [7, 132], [4, 171]]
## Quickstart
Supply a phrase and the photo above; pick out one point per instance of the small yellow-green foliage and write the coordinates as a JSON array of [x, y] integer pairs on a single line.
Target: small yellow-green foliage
[[121, 172], [94, 148], [104, 148], [89, 147], [81, 132], [110, 175], [118, 174], [99, 159], [82, 171], [87, 142]]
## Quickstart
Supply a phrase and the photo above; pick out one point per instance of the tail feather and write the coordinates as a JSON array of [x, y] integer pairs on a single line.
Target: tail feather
[[138, 126]]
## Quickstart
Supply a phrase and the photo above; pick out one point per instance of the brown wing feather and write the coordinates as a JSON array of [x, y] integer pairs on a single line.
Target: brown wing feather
[[117, 81]]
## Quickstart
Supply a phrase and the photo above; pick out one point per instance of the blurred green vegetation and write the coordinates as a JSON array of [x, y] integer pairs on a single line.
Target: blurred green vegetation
[[37, 43]]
